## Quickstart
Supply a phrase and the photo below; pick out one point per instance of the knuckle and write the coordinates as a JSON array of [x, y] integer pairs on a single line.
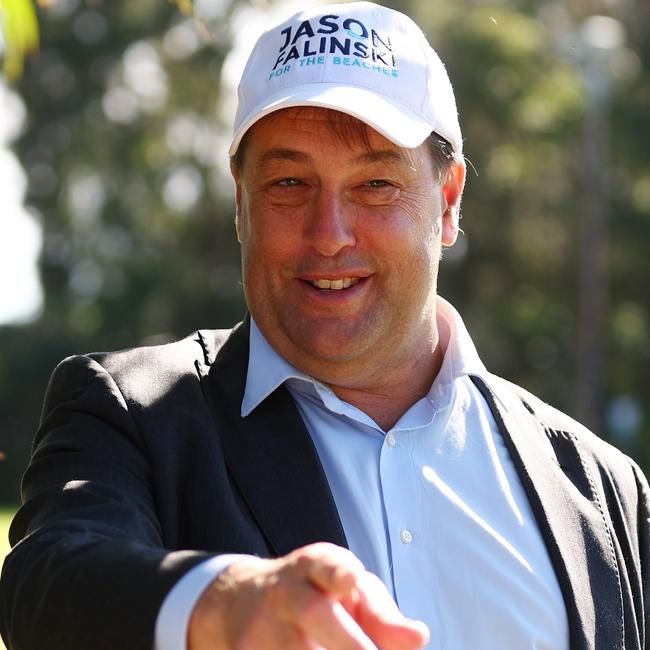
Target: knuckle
[[303, 563]]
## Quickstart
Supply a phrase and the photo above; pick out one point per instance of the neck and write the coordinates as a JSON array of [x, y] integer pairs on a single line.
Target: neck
[[385, 402]]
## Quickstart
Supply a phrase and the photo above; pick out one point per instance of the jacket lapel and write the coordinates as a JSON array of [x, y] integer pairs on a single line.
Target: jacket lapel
[[562, 495], [270, 455]]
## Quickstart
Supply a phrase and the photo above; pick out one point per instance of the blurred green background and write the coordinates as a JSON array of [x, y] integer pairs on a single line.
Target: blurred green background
[[121, 124]]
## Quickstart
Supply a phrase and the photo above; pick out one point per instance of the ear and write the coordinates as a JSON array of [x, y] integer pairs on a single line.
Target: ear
[[238, 199], [452, 190]]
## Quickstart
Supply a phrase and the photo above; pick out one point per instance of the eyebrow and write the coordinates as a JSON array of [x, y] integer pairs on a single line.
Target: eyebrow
[[283, 154], [386, 156]]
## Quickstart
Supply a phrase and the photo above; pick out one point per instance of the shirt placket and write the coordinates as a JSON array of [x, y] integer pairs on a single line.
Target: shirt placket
[[413, 570]]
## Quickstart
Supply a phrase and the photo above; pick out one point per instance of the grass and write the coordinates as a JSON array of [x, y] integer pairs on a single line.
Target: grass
[[6, 514]]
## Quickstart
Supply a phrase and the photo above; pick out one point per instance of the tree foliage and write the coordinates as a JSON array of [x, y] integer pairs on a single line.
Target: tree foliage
[[125, 154]]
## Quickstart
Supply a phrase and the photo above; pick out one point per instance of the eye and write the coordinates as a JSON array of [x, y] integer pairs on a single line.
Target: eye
[[288, 191], [289, 182], [377, 191]]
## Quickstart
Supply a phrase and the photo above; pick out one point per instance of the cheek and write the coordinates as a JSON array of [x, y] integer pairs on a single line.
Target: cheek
[[417, 234], [249, 223], [266, 245], [421, 254]]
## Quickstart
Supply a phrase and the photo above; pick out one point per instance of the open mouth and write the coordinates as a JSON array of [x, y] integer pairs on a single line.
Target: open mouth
[[334, 285]]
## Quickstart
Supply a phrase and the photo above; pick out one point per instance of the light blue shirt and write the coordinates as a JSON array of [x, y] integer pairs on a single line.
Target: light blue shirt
[[433, 506]]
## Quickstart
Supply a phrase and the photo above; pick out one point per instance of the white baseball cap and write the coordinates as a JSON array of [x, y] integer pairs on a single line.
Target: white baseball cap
[[359, 58]]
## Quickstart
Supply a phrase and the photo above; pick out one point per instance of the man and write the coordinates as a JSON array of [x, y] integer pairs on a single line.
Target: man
[[349, 410]]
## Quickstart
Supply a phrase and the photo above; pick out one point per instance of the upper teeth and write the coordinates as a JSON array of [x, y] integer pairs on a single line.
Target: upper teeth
[[335, 284]]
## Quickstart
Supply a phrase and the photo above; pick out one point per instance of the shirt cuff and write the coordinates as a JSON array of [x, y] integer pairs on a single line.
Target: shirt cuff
[[174, 615]]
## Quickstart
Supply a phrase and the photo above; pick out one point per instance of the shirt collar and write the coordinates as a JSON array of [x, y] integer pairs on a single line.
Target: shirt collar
[[267, 370], [461, 357]]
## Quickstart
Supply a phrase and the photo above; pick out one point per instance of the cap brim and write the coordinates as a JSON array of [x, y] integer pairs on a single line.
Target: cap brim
[[394, 121]]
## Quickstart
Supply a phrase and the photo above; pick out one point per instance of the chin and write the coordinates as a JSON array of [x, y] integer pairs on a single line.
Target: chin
[[320, 347], [315, 352]]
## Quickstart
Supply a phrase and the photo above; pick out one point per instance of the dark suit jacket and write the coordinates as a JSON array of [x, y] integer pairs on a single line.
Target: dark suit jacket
[[143, 454]]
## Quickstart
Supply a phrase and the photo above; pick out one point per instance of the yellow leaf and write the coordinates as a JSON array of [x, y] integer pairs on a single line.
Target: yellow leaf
[[20, 29], [186, 6]]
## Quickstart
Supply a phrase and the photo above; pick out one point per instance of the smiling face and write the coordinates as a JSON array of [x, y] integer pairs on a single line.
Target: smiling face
[[341, 237]]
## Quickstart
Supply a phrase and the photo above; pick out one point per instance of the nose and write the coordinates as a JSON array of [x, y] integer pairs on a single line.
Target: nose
[[330, 226]]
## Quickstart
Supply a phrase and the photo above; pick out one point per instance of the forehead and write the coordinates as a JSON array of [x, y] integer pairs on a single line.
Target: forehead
[[316, 119], [312, 128]]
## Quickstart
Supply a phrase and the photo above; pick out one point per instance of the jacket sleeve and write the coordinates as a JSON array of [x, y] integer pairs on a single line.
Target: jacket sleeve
[[88, 568]]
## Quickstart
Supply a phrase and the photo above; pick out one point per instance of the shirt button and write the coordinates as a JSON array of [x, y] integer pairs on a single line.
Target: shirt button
[[406, 536], [390, 440]]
